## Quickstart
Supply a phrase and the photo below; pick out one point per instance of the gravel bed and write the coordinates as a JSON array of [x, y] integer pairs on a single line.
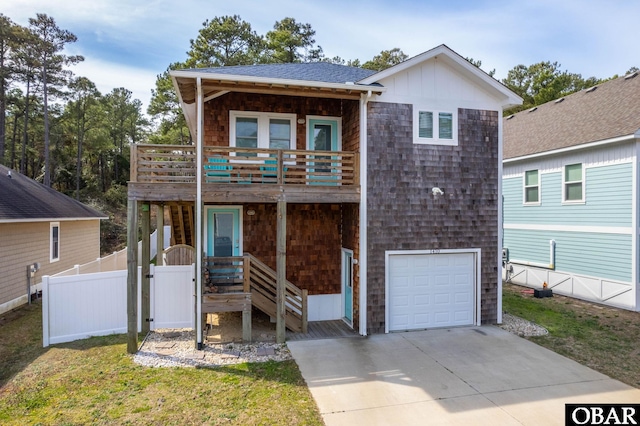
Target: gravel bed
[[176, 348], [521, 327]]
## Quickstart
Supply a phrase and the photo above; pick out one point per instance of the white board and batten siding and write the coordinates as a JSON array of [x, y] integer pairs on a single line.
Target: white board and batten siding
[[81, 306], [437, 84], [432, 289], [595, 157]]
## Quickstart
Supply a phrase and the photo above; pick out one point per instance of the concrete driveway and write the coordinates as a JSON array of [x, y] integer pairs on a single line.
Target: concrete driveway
[[476, 375]]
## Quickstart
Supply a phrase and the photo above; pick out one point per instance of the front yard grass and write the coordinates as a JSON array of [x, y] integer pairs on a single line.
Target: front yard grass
[[94, 381], [602, 338]]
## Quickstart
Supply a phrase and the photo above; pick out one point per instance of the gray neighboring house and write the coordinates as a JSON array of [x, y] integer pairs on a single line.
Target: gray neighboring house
[[570, 186], [39, 225]]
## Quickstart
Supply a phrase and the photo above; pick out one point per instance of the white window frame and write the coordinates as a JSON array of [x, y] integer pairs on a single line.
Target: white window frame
[[53, 225], [525, 187], [583, 181], [435, 140], [263, 126]]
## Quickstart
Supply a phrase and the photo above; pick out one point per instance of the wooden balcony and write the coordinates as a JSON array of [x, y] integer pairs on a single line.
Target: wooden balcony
[[168, 173]]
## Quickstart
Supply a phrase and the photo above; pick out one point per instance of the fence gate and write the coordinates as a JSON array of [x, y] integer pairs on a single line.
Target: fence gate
[[172, 296]]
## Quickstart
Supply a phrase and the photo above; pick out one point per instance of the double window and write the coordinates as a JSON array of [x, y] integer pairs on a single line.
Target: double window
[[262, 130], [435, 127], [532, 187], [573, 183]]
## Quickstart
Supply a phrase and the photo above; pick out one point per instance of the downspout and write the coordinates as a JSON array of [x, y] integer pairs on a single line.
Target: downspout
[[364, 100], [635, 224], [500, 234], [198, 244]]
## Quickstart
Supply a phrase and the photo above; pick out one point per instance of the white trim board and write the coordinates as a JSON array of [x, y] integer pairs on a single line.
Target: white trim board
[[570, 228]]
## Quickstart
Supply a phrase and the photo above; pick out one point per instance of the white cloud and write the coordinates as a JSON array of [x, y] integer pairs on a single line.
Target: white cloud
[[108, 76]]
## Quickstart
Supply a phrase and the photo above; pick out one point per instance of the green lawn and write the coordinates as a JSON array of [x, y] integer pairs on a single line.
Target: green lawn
[[600, 337], [95, 381]]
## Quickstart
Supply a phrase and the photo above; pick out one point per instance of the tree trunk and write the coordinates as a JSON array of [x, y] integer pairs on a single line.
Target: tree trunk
[[14, 136], [47, 172], [23, 158], [3, 119], [79, 160]]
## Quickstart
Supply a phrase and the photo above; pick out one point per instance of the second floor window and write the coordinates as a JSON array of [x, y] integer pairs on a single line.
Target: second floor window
[[531, 187], [262, 130], [573, 183], [435, 128]]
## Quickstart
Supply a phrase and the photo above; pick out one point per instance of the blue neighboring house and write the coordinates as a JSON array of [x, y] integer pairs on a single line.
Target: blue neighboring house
[[570, 187]]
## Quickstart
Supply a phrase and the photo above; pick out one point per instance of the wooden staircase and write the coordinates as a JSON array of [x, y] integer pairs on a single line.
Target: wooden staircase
[[249, 274], [182, 224]]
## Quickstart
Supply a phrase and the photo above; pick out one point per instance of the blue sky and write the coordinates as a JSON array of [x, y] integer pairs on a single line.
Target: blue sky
[[126, 43]]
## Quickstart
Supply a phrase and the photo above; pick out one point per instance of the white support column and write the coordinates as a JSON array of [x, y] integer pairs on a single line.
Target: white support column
[[362, 261], [198, 283]]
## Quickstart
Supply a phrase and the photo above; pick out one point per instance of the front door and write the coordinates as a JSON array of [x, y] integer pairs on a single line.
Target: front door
[[223, 232], [347, 285], [324, 134]]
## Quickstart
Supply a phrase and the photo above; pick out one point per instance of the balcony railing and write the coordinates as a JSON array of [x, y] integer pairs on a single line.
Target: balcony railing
[[177, 164]]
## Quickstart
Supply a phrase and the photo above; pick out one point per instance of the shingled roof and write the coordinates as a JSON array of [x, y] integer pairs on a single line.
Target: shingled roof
[[312, 71], [24, 199], [610, 110]]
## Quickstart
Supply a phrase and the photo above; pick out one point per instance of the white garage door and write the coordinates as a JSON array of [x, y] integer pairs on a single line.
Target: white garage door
[[430, 290]]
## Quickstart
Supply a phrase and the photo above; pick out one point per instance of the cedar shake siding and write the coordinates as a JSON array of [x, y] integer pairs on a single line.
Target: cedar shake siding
[[25, 243], [404, 215], [313, 243], [216, 115]]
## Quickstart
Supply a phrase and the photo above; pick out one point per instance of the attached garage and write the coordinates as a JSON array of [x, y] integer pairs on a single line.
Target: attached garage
[[431, 289]]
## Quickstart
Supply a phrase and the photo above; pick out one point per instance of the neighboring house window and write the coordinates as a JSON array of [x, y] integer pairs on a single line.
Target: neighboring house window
[[262, 130], [54, 243], [435, 127], [573, 183], [532, 187]]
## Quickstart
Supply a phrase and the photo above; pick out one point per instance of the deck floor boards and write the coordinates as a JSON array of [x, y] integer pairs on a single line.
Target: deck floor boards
[[323, 330]]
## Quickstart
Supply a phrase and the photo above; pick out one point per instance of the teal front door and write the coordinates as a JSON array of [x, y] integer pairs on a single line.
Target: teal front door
[[347, 285], [323, 136], [223, 232]]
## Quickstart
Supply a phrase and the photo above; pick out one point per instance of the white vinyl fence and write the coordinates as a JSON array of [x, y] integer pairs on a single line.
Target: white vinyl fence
[[80, 306], [117, 261]]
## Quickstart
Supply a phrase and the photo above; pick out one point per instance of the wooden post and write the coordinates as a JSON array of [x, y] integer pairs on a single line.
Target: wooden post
[[246, 274], [159, 234], [281, 271], [132, 276], [133, 166], [305, 309], [280, 168], [146, 261], [246, 325]]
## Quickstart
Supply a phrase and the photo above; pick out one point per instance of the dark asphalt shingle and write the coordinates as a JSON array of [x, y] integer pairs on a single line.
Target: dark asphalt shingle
[[22, 198], [313, 71]]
